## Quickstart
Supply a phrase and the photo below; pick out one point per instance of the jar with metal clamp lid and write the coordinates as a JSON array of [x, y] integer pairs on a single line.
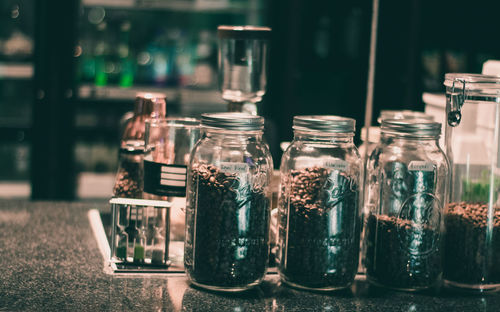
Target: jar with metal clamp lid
[[472, 217]]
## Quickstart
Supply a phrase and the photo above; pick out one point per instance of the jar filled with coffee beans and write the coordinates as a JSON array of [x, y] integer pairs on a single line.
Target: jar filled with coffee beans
[[406, 179], [472, 217], [319, 204], [227, 209]]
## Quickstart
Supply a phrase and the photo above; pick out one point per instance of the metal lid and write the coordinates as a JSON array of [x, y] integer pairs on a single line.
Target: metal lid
[[150, 104], [243, 32], [417, 128], [403, 114], [324, 123], [232, 121]]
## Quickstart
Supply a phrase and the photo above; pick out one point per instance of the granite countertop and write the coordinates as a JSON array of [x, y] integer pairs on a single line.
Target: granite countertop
[[50, 261]]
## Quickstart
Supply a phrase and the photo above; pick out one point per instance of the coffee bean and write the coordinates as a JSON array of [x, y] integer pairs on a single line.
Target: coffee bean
[[127, 181], [313, 253], [227, 250], [470, 257], [401, 253]]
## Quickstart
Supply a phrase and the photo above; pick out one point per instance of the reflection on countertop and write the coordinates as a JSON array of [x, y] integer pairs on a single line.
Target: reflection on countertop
[[50, 261]]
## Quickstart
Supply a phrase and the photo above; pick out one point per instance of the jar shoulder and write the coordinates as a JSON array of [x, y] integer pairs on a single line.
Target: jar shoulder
[[345, 157], [407, 154], [301, 148], [251, 152]]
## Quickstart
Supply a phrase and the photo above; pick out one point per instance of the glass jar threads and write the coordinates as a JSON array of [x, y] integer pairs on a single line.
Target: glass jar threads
[[407, 176], [472, 218], [318, 210], [227, 210]]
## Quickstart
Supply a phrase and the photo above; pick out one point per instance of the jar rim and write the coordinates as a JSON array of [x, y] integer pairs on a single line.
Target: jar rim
[[324, 123]]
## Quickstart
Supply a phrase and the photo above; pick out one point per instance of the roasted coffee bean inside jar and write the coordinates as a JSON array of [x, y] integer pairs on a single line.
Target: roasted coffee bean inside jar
[[230, 228], [401, 253], [467, 254], [322, 240]]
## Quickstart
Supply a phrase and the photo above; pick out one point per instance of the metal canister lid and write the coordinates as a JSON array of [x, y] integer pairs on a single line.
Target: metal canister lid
[[243, 32], [418, 128], [232, 121], [151, 104], [324, 123]]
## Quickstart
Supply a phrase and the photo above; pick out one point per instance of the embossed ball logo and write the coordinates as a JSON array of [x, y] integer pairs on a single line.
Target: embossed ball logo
[[338, 188], [419, 228]]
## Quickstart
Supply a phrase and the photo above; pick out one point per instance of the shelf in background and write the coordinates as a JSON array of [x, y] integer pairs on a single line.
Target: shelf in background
[[119, 93], [16, 71], [190, 102], [206, 6]]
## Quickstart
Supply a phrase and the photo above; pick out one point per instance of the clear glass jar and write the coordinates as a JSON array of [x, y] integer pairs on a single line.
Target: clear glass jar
[[406, 182], [472, 218], [169, 142], [129, 178], [227, 209], [318, 210], [243, 53]]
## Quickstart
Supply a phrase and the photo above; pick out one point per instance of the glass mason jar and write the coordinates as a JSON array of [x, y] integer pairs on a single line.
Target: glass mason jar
[[406, 181], [318, 210], [169, 142], [227, 209], [472, 217]]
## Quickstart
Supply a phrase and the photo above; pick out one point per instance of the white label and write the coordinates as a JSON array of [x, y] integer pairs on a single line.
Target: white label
[[228, 167], [174, 170], [170, 176], [177, 183], [336, 164], [419, 165]]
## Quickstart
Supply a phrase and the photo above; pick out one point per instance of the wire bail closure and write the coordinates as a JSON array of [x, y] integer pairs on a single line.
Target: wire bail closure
[[456, 101]]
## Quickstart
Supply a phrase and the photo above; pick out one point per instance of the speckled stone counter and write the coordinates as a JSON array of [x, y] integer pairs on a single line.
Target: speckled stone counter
[[50, 261]]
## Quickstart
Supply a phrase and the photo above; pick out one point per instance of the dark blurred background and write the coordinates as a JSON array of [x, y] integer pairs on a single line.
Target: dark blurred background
[[69, 71]]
